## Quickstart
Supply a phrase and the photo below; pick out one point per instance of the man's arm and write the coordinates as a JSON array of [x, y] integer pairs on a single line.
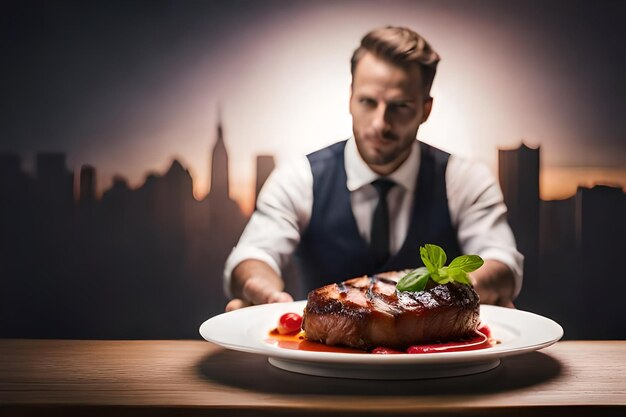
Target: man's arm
[[478, 211], [255, 282], [252, 271], [495, 283]]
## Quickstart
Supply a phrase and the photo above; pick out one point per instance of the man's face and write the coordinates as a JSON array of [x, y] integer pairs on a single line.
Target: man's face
[[387, 106]]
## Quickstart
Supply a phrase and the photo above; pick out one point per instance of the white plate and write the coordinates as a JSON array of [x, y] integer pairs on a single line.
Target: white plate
[[247, 330]]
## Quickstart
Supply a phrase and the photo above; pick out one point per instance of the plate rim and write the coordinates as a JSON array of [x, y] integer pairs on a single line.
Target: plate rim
[[259, 347]]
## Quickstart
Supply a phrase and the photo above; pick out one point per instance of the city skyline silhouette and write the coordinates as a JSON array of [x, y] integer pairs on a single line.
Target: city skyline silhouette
[[148, 262], [142, 263]]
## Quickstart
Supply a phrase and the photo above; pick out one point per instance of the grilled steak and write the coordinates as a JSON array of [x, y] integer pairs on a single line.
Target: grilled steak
[[368, 312]]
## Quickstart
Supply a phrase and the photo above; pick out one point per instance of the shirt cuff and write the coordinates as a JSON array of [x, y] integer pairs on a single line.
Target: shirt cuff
[[515, 262], [240, 254]]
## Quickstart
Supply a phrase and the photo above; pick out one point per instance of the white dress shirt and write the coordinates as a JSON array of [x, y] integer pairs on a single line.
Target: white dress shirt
[[285, 203]]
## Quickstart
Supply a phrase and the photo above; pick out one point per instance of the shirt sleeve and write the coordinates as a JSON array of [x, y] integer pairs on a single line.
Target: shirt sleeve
[[478, 211], [283, 211]]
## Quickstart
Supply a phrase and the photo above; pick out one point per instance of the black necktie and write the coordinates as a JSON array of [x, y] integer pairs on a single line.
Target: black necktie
[[380, 222]]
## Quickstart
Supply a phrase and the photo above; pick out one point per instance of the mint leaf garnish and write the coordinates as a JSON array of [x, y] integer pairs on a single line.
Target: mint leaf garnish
[[415, 280], [434, 259], [462, 279], [466, 263]]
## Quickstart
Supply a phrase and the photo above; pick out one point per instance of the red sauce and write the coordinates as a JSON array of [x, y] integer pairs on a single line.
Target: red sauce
[[297, 341]]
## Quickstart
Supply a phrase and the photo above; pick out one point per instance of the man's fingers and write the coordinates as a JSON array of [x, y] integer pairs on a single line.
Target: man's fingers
[[236, 304], [256, 290], [280, 297], [261, 291]]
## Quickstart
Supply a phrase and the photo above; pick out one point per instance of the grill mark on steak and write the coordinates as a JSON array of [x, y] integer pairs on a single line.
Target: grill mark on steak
[[370, 295], [366, 312], [385, 280]]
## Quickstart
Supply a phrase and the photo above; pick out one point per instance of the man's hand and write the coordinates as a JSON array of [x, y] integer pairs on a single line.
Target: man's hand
[[494, 282], [258, 290], [254, 282]]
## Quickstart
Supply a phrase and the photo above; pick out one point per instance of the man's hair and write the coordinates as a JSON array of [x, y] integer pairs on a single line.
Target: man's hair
[[402, 47]]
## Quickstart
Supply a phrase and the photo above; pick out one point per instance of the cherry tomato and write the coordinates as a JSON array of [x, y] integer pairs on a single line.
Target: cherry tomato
[[289, 323]]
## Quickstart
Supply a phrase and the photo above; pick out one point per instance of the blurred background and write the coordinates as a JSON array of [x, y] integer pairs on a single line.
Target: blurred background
[[135, 135]]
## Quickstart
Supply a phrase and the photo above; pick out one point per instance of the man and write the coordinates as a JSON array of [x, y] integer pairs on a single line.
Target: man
[[365, 205]]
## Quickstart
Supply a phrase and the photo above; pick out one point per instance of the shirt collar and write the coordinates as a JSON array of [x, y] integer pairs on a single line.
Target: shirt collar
[[359, 174]]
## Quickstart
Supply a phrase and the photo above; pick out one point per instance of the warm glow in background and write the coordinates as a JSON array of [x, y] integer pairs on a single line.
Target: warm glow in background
[[282, 82]]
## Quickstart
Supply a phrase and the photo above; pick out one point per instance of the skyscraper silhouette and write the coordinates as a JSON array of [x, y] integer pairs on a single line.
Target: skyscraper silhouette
[[55, 182], [216, 237], [219, 167], [87, 186], [600, 229], [518, 171]]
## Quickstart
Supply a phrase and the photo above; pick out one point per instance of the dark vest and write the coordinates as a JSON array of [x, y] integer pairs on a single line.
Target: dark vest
[[331, 248]]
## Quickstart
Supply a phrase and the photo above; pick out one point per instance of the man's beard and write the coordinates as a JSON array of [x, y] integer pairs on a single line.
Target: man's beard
[[375, 158]]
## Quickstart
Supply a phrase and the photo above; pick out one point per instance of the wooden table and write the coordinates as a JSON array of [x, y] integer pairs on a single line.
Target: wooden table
[[68, 377]]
